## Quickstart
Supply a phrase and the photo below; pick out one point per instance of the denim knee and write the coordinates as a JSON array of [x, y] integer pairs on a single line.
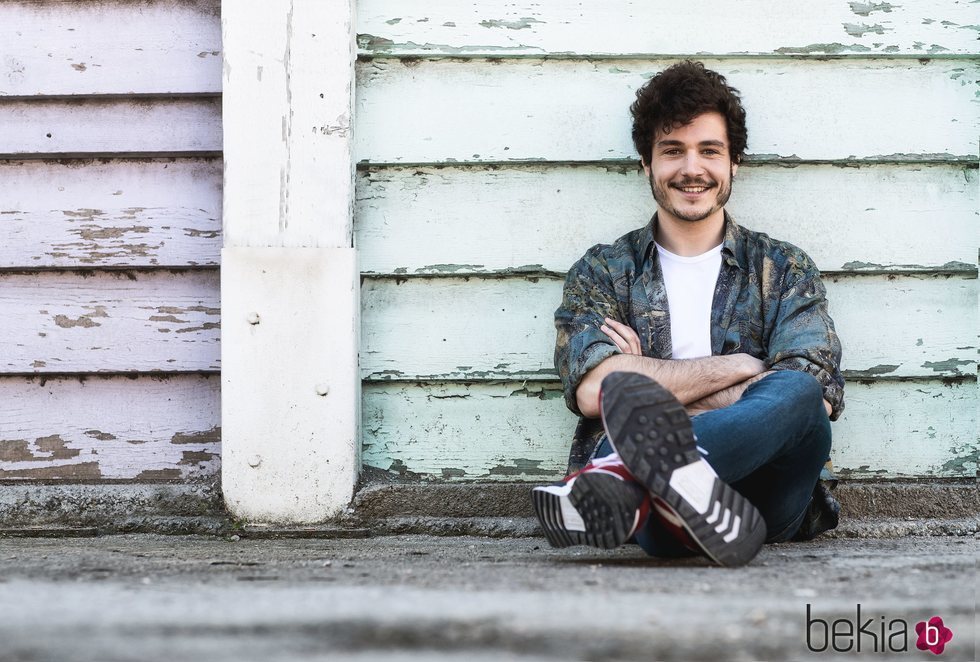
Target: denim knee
[[801, 388]]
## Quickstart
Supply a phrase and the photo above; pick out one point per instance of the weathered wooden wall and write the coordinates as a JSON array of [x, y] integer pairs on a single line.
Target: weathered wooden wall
[[110, 223], [494, 149]]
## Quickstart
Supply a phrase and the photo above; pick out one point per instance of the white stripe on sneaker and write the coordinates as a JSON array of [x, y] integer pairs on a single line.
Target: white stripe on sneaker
[[714, 513], [724, 521], [730, 536]]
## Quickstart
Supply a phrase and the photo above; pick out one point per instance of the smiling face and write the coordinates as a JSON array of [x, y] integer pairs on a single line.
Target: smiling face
[[690, 169]]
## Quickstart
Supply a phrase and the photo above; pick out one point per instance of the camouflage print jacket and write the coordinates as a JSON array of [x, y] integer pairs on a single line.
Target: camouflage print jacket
[[769, 302]]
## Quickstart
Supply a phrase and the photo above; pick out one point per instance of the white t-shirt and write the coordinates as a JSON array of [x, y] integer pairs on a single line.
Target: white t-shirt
[[690, 283]]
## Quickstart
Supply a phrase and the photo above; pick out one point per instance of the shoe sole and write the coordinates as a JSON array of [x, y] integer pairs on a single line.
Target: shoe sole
[[652, 433], [596, 509]]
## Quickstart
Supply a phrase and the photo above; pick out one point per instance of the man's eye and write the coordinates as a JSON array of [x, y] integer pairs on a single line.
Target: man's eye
[[710, 151]]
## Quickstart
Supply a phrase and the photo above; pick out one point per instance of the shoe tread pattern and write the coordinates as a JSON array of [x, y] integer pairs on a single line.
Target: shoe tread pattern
[[653, 435], [606, 504]]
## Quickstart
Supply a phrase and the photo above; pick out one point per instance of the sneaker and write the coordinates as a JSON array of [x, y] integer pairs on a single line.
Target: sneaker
[[652, 433], [601, 506]]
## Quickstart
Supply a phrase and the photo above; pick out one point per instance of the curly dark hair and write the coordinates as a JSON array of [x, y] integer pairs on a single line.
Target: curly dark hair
[[676, 96]]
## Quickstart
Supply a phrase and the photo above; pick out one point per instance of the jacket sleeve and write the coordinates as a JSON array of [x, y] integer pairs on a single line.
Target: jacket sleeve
[[588, 298], [803, 336]]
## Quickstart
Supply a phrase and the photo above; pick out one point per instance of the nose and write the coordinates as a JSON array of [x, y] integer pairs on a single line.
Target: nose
[[692, 165]]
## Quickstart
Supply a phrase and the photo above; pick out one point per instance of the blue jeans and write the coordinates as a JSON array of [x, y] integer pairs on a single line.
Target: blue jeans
[[769, 446]]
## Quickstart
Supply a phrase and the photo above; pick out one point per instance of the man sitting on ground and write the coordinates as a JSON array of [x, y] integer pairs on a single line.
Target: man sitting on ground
[[699, 355]]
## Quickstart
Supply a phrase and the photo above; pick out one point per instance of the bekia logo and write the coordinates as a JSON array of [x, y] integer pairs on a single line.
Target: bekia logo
[[933, 635], [875, 634]]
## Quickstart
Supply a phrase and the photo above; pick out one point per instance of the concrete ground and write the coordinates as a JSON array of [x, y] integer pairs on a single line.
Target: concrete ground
[[150, 597]]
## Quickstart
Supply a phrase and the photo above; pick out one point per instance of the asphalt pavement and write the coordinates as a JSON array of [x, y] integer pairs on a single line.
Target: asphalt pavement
[[413, 597]]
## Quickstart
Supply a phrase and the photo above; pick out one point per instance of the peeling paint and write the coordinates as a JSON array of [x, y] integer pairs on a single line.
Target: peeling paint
[[173, 310], [955, 266], [400, 468], [55, 448], [204, 327], [859, 30], [447, 268], [949, 365], [204, 234], [835, 48], [96, 233], [868, 8], [863, 470], [159, 474], [383, 46], [208, 436], [521, 467], [371, 42], [196, 457], [80, 471], [79, 67], [386, 375], [101, 436], [541, 392], [84, 213], [85, 321], [875, 371], [15, 450], [961, 463], [452, 472], [523, 23]]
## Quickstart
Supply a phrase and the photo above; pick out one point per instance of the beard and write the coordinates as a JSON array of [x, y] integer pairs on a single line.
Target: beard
[[724, 192]]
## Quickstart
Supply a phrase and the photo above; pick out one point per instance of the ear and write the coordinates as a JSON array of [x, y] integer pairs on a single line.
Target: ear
[[734, 169], [646, 166]]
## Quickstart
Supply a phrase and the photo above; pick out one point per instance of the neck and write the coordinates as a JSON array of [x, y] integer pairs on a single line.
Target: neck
[[690, 238]]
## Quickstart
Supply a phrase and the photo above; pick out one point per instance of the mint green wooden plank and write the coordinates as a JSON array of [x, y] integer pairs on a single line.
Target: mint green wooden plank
[[657, 27], [542, 217], [521, 431], [576, 110], [503, 328]]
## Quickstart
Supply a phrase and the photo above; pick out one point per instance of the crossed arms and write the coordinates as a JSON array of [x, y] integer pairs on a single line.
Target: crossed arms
[[700, 385]]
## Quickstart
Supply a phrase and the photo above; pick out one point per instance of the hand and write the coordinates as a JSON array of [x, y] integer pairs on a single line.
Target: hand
[[624, 336], [751, 365]]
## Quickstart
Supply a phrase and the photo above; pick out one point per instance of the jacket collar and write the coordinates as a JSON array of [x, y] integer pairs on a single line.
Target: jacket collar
[[731, 249]]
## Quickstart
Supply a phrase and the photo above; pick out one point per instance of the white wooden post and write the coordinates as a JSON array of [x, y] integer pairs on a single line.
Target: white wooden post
[[289, 277]]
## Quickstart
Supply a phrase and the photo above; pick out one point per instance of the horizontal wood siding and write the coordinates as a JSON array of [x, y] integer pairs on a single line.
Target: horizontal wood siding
[[60, 48], [110, 219], [111, 322], [656, 27], [123, 428], [109, 127], [501, 328], [521, 430], [475, 219], [574, 110], [110, 213], [494, 149]]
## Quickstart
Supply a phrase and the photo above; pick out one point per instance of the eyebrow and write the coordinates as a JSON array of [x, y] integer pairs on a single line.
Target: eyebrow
[[703, 143]]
